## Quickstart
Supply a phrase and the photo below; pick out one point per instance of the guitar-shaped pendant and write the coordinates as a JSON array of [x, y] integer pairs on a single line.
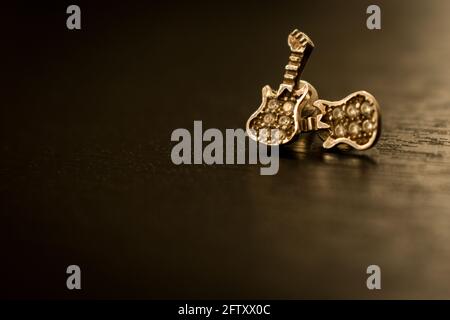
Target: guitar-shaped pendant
[[276, 120], [353, 121]]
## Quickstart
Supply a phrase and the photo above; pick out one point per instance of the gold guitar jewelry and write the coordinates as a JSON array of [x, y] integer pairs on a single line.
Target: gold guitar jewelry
[[276, 120], [354, 121]]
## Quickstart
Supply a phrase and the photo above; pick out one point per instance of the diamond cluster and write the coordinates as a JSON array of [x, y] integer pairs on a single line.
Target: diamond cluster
[[275, 123], [355, 119]]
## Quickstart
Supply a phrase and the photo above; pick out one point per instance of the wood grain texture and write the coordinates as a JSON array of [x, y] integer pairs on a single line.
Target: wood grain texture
[[86, 176]]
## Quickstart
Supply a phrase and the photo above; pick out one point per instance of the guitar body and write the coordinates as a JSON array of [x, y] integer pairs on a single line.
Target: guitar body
[[354, 121], [276, 120]]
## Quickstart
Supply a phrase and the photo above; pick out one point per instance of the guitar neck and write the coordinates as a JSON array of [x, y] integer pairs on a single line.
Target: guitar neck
[[301, 48]]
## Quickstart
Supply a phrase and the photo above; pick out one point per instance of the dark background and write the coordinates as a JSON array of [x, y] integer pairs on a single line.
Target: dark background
[[86, 176]]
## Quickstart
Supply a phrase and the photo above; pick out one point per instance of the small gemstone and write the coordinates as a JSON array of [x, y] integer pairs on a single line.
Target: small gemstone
[[366, 109], [284, 120], [278, 135], [354, 129], [263, 134], [352, 111], [288, 106], [339, 131], [367, 126], [273, 104], [269, 118], [338, 113]]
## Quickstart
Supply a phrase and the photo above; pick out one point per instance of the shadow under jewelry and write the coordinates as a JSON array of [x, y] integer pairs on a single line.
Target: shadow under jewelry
[[308, 147]]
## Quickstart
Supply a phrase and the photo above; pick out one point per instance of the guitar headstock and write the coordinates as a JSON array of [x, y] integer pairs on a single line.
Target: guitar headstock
[[298, 41]]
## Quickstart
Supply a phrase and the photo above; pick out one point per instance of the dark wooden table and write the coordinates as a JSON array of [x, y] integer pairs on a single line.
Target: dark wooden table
[[86, 175]]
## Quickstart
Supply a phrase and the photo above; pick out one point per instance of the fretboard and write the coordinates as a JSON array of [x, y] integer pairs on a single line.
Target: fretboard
[[301, 47]]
